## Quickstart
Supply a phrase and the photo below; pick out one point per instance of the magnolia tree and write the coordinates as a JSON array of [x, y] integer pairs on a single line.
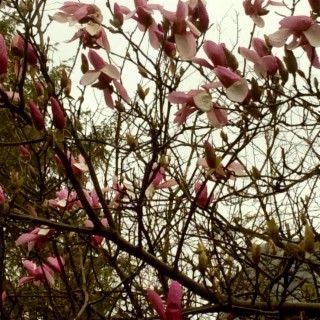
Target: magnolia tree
[[159, 163]]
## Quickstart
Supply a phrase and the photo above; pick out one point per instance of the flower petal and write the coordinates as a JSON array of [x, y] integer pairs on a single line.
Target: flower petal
[[186, 45], [238, 91]]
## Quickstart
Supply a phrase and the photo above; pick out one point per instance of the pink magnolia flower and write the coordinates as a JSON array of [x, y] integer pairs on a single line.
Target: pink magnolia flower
[[174, 309], [215, 52], [25, 153], [156, 177], [2, 196], [57, 113], [198, 14], [56, 263], [236, 87], [255, 10], [117, 15], [3, 57], [38, 275], [105, 74], [198, 100], [184, 31], [92, 34], [66, 200], [143, 15], [17, 49], [78, 164], [74, 12], [39, 88], [36, 115], [96, 240], [303, 29], [201, 191], [36, 238], [264, 62]]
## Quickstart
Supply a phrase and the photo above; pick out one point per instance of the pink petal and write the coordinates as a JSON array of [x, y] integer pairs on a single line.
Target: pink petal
[[122, 91], [180, 97], [202, 62], [258, 21], [226, 76], [203, 101], [54, 262], [215, 53], [157, 303], [313, 35], [238, 91], [297, 23], [3, 56], [279, 38], [249, 54], [174, 310], [111, 71], [108, 98], [49, 277], [57, 113], [168, 184], [186, 45], [89, 77], [95, 59], [23, 280], [27, 237]]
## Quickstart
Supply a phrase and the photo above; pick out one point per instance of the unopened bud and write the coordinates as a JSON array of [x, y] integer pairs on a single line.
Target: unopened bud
[[143, 71], [290, 61], [303, 218], [84, 63], [224, 136], [308, 243], [273, 230], [232, 61], [255, 173], [255, 90], [64, 79], [256, 253], [210, 155], [141, 92], [132, 141], [283, 72]]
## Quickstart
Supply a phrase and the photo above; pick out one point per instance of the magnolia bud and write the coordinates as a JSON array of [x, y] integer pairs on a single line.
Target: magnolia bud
[[255, 90], [203, 258], [256, 253], [308, 242], [273, 230], [37, 117], [255, 173], [64, 79], [141, 92], [132, 141], [303, 218], [84, 63], [143, 71], [283, 72], [210, 155], [57, 113], [224, 136], [67, 88], [232, 61], [290, 61]]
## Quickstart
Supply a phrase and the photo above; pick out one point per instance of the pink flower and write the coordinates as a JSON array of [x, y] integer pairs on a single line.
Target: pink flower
[[66, 200], [36, 238], [198, 100], [264, 63], [56, 263], [39, 88], [256, 10], [236, 87], [37, 117], [143, 15], [185, 32], [156, 177], [174, 309], [2, 196], [25, 152], [38, 275], [17, 49], [3, 296], [117, 16], [198, 15], [74, 12], [105, 74], [303, 29], [57, 114], [3, 57], [78, 164], [96, 240], [201, 191]]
